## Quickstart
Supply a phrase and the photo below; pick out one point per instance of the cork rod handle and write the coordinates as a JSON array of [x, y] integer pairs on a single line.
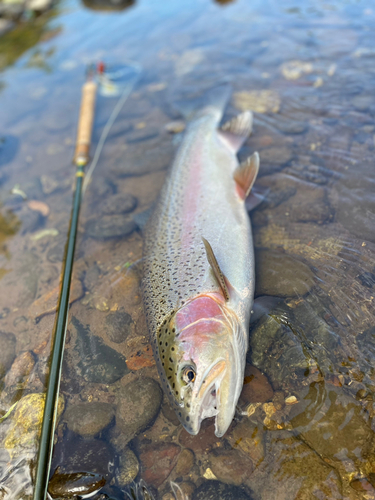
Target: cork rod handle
[[85, 123]]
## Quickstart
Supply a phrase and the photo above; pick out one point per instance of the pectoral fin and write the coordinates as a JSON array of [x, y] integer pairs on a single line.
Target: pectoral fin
[[235, 132], [216, 269], [245, 175]]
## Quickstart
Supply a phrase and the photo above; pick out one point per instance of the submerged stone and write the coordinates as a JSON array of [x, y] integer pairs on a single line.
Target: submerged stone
[[98, 362], [128, 468], [110, 226], [139, 404], [7, 351], [281, 275], [77, 483], [118, 204], [158, 461], [230, 467], [88, 419], [215, 490], [119, 325]]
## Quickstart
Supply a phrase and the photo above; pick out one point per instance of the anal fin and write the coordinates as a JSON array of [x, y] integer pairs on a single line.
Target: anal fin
[[245, 175], [235, 132], [216, 269]]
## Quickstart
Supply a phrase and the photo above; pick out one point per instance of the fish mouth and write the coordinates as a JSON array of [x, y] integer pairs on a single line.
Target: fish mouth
[[206, 394]]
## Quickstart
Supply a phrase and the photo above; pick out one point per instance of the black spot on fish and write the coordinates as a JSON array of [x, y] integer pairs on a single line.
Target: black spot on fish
[[187, 419], [170, 369], [173, 385], [172, 349], [171, 360]]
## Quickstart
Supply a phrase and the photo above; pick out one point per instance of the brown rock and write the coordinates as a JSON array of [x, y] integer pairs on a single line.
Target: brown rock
[[248, 437], [88, 419], [158, 461], [20, 369], [230, 467], [203, 441], [185, 462], [142, 358], [256, 388]]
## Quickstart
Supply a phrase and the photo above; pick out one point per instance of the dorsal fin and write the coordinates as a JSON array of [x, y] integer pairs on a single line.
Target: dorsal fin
[[216, 269], [235, 132], [245, 175]]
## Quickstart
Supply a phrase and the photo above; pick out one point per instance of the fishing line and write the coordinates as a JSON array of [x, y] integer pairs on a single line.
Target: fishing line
[[81, 159]]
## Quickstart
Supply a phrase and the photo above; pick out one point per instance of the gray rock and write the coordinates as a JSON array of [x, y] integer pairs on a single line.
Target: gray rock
[[274, 159], [281, 275], [7, 351], [118, 204], [88, 419], [98, 362], [215, 490], [91, 277], [110, 226], [56, 252], [138, 407], [119, 325], [363, 102]]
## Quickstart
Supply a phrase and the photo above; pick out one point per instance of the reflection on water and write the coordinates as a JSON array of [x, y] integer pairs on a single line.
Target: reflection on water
[[304, 427]]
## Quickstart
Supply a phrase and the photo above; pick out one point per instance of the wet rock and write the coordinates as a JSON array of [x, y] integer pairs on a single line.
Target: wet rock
[[289, 126], [139, 404], [260, 101], [78, 483], [362, 102], [89, 419], [215, 490], [110, 226], [128, 468], [185, 462], [203, 441], [119, 325], [31, 220], [280, 275], [92, 276], [141, 358], [20, 370], [367, 279], [118, 204], [256, 388], [274, 159], [21, 324], [170, 413], [276, 351], [90, 455], [7, 351], [98, 363], [24, 432], [158, 461], [248, 436], [230, 467], [333, 424]]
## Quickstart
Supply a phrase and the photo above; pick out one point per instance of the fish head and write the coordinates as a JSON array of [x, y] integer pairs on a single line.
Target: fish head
[[201, 362]]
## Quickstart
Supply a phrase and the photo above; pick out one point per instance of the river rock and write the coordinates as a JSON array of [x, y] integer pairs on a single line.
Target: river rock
[[73, 455], [110, 226], [256, 388], [88, 419], [248, 436], [281, 275], [158, 461], [230, 467], [139, 404], [118, 204], [185, 462], [119, 325], [274, 159], [333, 424], [20, 370], [69, 485], [169, 413], [128, 468], [23, 435], [203, 441], [7, 351], [98, 363], [215, 490]]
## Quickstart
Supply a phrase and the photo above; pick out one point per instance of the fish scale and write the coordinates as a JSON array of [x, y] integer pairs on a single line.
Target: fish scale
[[198, 200]]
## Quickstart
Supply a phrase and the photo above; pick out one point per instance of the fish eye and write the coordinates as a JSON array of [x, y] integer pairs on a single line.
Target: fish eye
[[188, 374]]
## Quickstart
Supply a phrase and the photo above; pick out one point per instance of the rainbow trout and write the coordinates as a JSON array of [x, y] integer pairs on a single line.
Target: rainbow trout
[[198, 283]]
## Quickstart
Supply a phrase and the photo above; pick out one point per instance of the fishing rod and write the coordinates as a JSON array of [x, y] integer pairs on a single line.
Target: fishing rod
[[81, 159]]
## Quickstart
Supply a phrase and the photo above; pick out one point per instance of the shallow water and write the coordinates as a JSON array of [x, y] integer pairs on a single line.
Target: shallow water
[[306, 428]]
